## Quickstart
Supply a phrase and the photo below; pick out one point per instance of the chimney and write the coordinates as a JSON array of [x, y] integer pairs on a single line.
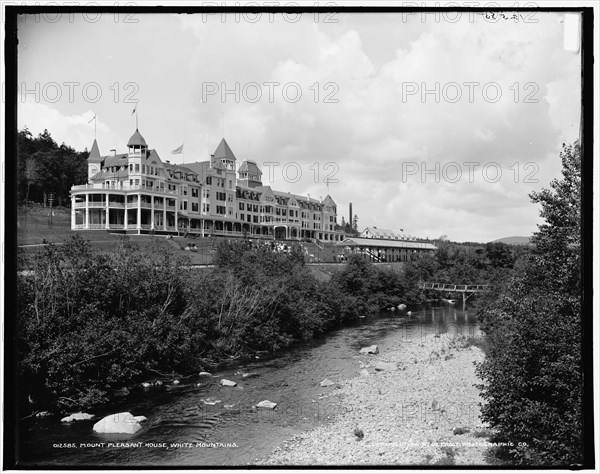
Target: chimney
[[350, 220], [114, 152]]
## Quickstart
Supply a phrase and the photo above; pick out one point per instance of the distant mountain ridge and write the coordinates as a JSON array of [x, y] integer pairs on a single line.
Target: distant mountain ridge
[[514, 240]]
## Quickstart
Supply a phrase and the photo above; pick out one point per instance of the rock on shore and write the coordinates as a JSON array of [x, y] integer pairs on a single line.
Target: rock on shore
[[408, 416]]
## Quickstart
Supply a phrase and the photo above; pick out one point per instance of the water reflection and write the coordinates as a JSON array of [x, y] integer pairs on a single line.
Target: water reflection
[[291, 378]]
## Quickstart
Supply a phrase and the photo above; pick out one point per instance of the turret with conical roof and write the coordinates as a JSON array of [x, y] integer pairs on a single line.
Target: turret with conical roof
[[94, 160]]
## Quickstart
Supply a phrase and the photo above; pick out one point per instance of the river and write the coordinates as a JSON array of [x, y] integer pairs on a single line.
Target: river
[[182, 430]]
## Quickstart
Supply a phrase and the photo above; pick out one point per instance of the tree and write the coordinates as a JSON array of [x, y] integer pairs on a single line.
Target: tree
[[45, 167], [499, 255], [355, 223], [532, 371]]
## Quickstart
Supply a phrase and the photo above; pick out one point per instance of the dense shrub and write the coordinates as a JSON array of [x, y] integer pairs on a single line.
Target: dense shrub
[[89, 322], [532, 372]]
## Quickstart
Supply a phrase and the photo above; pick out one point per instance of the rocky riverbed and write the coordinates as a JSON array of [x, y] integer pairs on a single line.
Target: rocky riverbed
[[419, 408]]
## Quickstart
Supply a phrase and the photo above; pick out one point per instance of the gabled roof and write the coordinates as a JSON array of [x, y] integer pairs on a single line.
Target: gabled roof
[[136, 139], [265, 191], [329, 200], [94, 154], [385, 234], [306, 199], [115, 160], [223, 151], [108, 174]]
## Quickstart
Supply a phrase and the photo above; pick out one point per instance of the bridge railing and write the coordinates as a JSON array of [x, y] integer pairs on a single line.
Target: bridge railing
[[453, 287]]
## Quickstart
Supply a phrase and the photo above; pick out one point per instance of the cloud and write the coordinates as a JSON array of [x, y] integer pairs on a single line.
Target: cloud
[[370, 94], [73, 130]]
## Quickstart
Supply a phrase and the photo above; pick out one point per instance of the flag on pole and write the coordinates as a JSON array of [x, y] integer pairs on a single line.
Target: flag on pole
[[134, 110], [178, 151], [93, 118]]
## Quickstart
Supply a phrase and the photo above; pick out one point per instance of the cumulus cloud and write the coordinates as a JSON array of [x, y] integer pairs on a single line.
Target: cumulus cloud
[[362, 103]]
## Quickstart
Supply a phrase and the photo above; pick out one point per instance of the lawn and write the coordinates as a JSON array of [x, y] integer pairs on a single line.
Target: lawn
[[33, 227]]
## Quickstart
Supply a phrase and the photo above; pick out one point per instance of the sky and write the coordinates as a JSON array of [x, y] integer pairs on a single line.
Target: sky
[[437, 124]]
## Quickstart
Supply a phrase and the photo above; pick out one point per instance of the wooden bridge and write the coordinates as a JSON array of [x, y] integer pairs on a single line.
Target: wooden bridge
[[453, 288], [466, 290]]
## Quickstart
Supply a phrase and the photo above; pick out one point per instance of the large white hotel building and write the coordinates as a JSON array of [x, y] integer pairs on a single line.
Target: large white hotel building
[[136, 192]]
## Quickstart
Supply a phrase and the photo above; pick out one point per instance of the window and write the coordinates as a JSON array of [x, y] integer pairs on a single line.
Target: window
[[241, 206], [137, 167], [131, 167], [195, 192], [230, 185], [194, 207], [205, 207], [249, 218], [143, 169], [183, 205], [230, 209], [221, 196], [221, 210], [242, 216], [209, 180], [255, 219]]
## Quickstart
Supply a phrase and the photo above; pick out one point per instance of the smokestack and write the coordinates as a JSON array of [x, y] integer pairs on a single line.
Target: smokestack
[[350, 220]]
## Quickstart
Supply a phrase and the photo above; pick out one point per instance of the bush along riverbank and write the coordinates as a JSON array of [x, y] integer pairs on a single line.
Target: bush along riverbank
[[417, 405], [90, 324]]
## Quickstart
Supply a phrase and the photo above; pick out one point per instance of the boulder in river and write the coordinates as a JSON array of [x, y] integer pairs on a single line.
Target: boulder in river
[[379, 366], [118, 423], [204, 374], [364, 373], [401, 306], [266, 404], [176, 382], [77, 417], [326, 383], [228, 383], [146, 384], [370, 350]]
